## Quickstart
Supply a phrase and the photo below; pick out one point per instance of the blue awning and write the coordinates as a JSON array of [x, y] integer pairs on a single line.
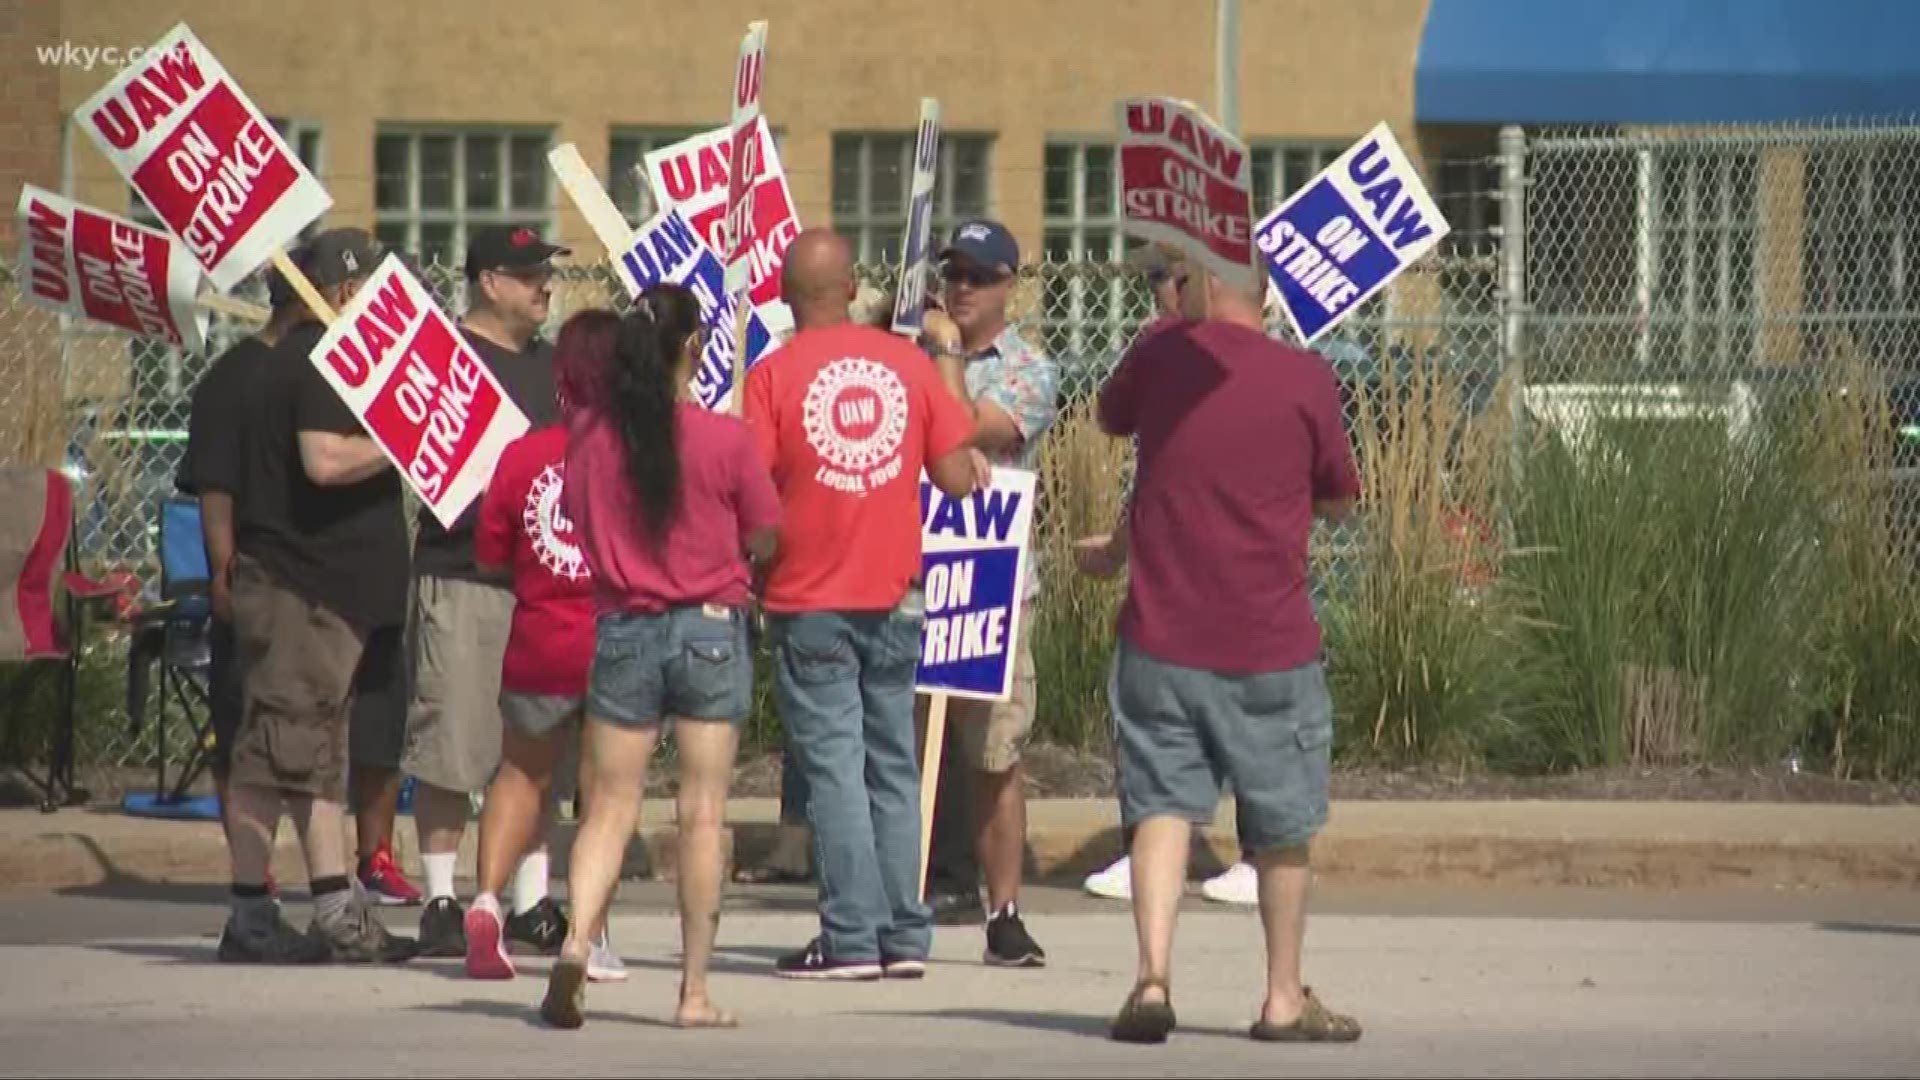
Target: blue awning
[[1666, 61]]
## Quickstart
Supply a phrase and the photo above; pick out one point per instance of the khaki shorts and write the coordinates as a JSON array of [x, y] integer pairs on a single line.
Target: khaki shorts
[[295, 664], [994, 733], [457, 639]]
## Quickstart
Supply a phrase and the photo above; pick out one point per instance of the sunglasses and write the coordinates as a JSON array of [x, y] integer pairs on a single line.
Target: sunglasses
[[978, 277]]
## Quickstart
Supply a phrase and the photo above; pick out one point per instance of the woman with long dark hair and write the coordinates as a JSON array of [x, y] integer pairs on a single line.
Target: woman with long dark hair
[[670, 501]]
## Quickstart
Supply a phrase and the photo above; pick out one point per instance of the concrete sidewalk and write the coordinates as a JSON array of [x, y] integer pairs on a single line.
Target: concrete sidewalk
[[1667, 845]]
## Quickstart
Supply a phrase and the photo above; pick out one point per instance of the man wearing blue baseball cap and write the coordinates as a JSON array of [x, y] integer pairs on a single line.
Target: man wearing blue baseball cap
[[1012, 392]]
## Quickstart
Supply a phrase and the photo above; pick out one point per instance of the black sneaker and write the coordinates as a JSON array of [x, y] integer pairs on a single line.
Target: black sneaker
[[955, 908], [443, 928], [360, 938], [273, 943], [903, 969], [541, 928], [1009, 944], [812, 962]]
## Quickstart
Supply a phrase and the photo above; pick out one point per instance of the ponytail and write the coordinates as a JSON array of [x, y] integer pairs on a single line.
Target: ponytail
[[643, 389]]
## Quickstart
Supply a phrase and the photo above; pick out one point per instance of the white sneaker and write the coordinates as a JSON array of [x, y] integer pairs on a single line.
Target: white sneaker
[[603, 964], [1113, 883], [1240, 884]]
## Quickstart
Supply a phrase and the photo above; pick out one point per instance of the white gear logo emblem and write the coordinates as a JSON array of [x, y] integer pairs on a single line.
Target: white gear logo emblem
[[545, 522], [838, 399]]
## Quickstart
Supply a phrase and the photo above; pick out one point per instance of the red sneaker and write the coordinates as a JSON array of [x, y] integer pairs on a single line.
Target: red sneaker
[[380, 876]]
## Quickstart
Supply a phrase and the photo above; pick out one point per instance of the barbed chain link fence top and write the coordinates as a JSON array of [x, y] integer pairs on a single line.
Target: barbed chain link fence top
[[1661, 264]]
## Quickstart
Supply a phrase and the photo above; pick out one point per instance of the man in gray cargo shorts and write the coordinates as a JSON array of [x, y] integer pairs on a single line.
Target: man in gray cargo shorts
[[1217, 675]]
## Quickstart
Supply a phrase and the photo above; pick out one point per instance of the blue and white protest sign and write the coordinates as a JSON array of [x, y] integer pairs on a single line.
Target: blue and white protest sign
[[667, 249], [1341, 238], [974, 567], [910, 301]]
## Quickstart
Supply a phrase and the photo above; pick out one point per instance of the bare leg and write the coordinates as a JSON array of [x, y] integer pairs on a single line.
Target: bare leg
[[707, 751], [441, 817], [252, 819], [376, 800], [513, 820], [1000, 823], [323, 834], [616, 758], [1159, 870], [1283, 914]]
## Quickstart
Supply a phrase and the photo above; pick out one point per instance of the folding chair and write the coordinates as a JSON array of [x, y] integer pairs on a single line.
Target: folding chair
[[44, 604], [176, 634]]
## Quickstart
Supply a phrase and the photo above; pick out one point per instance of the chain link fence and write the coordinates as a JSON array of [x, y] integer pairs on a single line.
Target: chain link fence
[[1674, 271]]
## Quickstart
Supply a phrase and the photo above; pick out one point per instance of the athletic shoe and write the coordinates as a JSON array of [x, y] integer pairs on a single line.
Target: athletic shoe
[[1113, 883], [903, 969], [276, 942], [813, 963], [603, 964], [384, 884], [1009, 944], [541, 928], [486, 940], [443, 929], [360, 938], [1240, 884]]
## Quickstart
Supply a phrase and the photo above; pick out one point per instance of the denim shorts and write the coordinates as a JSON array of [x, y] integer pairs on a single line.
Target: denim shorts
[[1182, 734], [692, 663]]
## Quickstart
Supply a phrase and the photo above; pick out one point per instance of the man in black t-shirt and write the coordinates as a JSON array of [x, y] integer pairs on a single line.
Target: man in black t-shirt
[[320, 561], [459, 619]]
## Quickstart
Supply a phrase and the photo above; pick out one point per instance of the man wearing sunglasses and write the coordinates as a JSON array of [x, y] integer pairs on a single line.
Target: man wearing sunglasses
[[1012, 392], [460, 617]]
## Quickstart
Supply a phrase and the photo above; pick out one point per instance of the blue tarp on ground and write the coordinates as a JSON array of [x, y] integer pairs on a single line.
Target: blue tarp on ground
[[1666, 61]]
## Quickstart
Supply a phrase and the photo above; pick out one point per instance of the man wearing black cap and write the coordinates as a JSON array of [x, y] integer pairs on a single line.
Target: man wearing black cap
[[211, 471], [320, 560], [459, 619], [1011, 391]]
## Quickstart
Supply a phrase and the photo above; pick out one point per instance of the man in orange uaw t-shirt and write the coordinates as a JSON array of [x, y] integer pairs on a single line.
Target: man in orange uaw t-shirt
[[847, 417]]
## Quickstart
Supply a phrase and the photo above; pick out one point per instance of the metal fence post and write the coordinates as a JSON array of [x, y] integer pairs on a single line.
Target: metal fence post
[[1513, 277]]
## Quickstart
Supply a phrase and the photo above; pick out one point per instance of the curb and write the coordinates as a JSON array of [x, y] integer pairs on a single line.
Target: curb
[[1672, 845]]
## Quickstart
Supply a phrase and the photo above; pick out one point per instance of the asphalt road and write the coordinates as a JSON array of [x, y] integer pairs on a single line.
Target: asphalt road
[[1448, 982]]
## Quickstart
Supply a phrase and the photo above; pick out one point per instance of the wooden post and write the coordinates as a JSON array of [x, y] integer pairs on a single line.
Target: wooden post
[[930, 778], [227, 305]]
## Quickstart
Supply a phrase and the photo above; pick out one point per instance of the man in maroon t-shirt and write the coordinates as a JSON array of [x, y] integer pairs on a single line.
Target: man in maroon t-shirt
[[1218, 673]]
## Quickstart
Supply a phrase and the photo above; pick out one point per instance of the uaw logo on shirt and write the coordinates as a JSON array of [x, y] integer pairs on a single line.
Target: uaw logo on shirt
[[856, 420], [548, 529]]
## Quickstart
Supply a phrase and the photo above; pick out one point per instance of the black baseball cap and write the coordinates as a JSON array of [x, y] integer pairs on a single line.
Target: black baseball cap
[[280, 292], [507, 247], [987, 242], [340, 255]]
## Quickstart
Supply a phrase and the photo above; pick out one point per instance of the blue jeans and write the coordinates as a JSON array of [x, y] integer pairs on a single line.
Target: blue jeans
[[845, 686]]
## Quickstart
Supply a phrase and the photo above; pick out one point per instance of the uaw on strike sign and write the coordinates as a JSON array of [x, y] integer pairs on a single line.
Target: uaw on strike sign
[[1186, 182], [184, 135], [419, 389], [974, 570], [666, 249], [91, 265], [691, 176], [1341, 238]]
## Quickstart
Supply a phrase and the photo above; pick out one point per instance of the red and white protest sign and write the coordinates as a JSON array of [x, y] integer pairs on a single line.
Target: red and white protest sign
[[419, 389], [1187, 182], [209, 164], [96, 266], [693, 176], [743, 157]]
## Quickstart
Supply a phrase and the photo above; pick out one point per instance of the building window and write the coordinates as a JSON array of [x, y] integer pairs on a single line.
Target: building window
[[1702, 234], [873, 176], [1862, 259], [1091, 308], [1281, 169], [434, 187], [627, 167]]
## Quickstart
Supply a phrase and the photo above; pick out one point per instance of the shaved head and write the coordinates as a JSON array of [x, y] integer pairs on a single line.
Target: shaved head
[[817, 279]]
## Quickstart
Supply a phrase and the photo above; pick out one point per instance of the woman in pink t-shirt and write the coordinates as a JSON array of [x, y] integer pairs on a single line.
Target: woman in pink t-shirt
[[669, 501]]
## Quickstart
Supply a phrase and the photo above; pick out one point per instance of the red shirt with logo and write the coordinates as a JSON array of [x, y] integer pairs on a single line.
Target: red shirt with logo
[[523, 526], [847, 417]]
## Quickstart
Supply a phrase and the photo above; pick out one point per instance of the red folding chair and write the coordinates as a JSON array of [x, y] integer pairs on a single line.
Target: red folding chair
[[44, 604]]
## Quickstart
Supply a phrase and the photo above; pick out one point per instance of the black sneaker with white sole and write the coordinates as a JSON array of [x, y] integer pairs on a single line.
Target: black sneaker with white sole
[[541, 929], [1009, 944], [813, 963], [443, 928]]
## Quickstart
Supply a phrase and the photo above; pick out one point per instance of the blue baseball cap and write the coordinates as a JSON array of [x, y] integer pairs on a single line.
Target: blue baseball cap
[[985, 242]]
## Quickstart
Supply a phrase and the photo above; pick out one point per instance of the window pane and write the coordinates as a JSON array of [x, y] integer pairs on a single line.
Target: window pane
[[529, 173], [392, 234], [1058, 245], [390, 172], [1100, 182], [1297, 170], [1099, 244], [969, 173], [483, 172], [889, 175], [1059, 181], [885, 243], [622, 155], [436, 172], [846, 174], [309, 148], [436, 243], [1263, 197]]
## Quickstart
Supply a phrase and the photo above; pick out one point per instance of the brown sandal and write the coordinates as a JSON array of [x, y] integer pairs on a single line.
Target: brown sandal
[[1316, 1023], [1144, 1021]]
